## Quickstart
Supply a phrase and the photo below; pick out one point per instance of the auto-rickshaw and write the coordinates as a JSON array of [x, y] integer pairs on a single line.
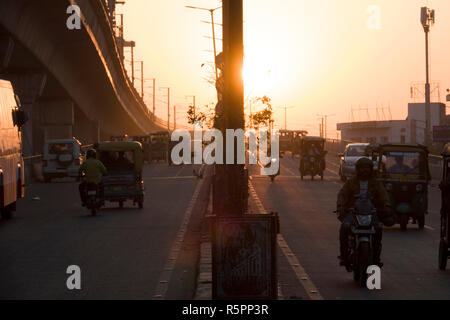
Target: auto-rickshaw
[[296, 140], [285, 141], [159, 145], [124, 162], [403, 169], [312, 156], [145, 140], [121, 137], [444, 245]]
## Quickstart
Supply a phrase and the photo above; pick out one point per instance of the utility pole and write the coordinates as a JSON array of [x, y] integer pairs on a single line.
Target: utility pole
[[325, 117], [142, 79], [168, 107], [174, 117], [285, 116], [427, 19], [132, 65]]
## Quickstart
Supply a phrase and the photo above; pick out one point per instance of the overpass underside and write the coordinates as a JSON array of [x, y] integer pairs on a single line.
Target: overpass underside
[[70, 82]]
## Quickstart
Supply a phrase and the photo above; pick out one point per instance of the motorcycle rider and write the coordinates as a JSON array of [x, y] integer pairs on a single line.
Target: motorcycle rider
[[93, 170], [363, 184]]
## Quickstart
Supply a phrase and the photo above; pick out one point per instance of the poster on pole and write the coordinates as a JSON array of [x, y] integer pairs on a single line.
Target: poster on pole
[[244, 257]]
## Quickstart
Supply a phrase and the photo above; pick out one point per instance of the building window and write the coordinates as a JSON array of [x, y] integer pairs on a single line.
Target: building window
[[402, 139], [384, 139], [403, 130]]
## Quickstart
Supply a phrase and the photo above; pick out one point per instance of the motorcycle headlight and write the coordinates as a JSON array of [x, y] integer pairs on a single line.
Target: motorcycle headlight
[[389, 186], [419, 187], [364, 220]]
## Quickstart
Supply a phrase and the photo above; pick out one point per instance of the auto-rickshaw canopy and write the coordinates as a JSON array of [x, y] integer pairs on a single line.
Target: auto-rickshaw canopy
[[401, 159], [125, 146]]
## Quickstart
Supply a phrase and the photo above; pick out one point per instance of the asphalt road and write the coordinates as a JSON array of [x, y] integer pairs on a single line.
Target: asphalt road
[[310, 229], [122, 253]]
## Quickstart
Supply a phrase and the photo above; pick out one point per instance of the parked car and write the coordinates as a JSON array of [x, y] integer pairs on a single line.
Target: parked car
[[353, 152], [62, 158]]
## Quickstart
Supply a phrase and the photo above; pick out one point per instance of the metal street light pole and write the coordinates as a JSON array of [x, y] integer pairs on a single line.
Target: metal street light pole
[[213, 33], [427, 20], [168, 106]]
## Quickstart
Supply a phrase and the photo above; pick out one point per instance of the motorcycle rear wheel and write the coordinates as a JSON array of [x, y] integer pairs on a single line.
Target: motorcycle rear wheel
[[404, 222]]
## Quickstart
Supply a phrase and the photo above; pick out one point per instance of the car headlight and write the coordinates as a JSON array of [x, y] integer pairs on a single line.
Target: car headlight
[[389, 186]]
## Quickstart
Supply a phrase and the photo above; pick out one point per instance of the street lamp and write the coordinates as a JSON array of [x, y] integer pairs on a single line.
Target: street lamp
[[285, 115], [213, 33], [427, 18]]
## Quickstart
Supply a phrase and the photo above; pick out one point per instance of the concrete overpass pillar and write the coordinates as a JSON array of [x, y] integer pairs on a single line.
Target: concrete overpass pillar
[[57, 118], [87, 131]]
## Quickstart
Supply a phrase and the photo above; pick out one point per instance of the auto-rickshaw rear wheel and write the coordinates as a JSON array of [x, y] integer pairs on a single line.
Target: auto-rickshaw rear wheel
[[421, 221], [443, 255], [404, 222]]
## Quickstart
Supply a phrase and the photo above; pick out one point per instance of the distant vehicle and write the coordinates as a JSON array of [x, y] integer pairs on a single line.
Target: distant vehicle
[[62, 158], [12, 176], [312, 157], [121, 137], [444, 244], [159, 146], [353, 152], [124, 162]]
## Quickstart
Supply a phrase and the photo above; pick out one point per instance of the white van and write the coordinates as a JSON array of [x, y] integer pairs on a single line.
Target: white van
[[62, 158]]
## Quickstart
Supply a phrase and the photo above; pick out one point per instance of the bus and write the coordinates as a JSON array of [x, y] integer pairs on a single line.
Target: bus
[[12, 182]]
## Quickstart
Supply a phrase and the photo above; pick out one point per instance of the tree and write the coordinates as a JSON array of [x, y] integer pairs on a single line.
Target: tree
[[263, 117]]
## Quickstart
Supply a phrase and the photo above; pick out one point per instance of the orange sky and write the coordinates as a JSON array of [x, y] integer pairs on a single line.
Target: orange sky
[[318, 56]]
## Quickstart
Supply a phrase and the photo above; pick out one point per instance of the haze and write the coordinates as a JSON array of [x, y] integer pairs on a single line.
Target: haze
[[319, 56]]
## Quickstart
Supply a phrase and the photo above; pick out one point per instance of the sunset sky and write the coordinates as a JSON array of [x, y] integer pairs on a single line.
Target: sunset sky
[[319, 56]]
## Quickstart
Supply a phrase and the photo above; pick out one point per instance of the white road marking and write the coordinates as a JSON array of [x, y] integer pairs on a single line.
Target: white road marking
[[311, 290], [170, 178], [163, 283]]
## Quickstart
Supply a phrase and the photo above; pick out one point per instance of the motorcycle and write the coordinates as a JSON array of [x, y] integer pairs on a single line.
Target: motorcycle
[[273, 176], [360, 241], [93, 200]]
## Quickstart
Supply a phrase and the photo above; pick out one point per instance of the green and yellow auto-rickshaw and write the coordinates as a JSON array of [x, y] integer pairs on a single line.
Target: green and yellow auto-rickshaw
[[312, 156], [123, 161], [444, 245], [145, 140], [159, 145], [296, 141], [120, 137], [285, 139], [404, 171]]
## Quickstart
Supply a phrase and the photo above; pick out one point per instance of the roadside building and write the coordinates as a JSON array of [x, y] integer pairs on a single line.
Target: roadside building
[[410, 130]]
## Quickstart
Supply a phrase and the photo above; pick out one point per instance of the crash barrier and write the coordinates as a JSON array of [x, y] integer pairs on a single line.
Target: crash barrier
[[334, 147], [33, 165]]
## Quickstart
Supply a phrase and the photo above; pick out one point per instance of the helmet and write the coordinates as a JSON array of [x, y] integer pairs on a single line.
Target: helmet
[[364, 162], [91, 153]]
